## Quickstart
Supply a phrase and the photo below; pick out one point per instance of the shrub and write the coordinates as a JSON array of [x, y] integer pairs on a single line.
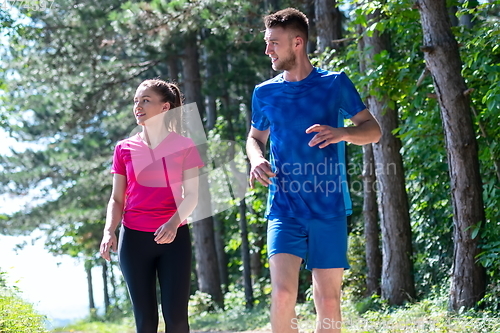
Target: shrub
[[16, 315]]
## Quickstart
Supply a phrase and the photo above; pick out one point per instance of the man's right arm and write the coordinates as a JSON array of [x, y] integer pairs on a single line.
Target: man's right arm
[[260, 167]]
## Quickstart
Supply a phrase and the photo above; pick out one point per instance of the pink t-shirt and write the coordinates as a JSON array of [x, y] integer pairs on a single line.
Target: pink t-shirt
[[154, 178]]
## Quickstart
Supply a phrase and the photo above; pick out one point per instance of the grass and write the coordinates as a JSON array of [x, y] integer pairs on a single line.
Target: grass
[[371, 315], [367, 316], [17, 316], [232, 320], [429, 315], [421, 317], [124, 326]]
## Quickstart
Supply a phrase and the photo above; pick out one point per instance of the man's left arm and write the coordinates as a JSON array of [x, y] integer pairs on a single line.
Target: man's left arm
[[366, 130]]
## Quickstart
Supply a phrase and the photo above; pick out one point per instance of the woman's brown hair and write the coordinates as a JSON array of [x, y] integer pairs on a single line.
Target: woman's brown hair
[[170, 93]]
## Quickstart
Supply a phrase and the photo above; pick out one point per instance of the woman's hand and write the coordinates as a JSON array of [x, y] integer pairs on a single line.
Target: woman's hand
[[108, 243], [166, 233]]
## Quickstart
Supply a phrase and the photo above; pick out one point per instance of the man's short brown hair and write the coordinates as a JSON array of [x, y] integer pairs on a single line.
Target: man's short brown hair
[[289, 18]]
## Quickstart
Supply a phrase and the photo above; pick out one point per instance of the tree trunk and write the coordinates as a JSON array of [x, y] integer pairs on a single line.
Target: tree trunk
[[203, 225], [373, 254], [245, 255], [443, 60], [191, 73], [173, 68], [211, 69], [397, 284], [231, 105], [114, 285], [372, 232], [105, 282], [210, 124], [256, 253], [221, 253], [328, 21], [90, 288], [207, 267], [256, 264]]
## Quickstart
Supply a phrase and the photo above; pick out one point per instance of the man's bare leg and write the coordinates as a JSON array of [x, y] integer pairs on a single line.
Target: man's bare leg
[[327, 284], [284, 269]]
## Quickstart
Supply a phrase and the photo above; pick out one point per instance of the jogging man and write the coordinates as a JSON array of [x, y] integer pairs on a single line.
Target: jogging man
[[301, 111]]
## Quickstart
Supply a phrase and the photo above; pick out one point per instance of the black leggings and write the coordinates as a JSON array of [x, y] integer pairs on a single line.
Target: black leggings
[[141, 260]]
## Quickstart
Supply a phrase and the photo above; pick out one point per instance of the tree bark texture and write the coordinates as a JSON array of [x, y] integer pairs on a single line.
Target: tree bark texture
[[90, 288], [211, 71], [105, 282], [397, 266], [443, 61], [203, 225], [191, 73], [245, 255], [328, 19], [372, 246], [221, 254], [173, 68], [373, 253]]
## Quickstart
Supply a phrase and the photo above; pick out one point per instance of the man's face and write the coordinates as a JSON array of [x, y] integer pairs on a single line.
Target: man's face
[[279, 48]]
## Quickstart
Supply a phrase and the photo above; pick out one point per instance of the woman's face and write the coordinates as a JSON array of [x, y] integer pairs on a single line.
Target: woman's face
[[147, 104]]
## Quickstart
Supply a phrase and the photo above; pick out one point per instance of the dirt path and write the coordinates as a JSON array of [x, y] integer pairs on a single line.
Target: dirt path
[[194, 332], [231, 332]]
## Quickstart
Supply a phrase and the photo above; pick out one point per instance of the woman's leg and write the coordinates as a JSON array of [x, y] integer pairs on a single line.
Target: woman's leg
[[174, 275], [137, 261]]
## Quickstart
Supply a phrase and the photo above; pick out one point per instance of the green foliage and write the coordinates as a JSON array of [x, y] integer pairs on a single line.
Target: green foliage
[[72, 71], [2, 279], [199, 303], [482, 72], [76, 68], [368, 315], [428, 315], [355, 278], [432, 314], [395, 74], [16, 315]]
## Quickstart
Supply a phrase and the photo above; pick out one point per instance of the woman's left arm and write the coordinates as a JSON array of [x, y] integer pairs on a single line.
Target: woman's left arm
[[167, 232]]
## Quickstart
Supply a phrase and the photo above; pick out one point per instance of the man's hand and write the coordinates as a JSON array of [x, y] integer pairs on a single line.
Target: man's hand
[[261, 171], [326, 134]]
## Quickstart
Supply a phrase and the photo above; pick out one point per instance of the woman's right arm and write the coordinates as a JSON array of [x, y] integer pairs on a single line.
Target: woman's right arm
[[113, 216]]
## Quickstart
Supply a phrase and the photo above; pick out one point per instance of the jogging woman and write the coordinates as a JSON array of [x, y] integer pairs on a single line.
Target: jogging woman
[[155, 188]]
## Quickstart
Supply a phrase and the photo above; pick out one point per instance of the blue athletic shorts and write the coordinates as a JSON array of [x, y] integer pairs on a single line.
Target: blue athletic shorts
[[320, 243]]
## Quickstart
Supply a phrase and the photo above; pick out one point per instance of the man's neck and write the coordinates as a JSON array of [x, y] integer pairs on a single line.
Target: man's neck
[[301, 70]]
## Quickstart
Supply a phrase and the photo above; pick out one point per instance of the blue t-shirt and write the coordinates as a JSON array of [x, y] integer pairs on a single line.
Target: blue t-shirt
[[310, 182]]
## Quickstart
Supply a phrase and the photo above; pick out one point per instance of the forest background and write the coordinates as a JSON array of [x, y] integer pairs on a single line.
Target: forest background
[[426, 216]]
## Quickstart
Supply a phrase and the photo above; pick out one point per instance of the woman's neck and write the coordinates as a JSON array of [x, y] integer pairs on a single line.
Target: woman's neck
[[154, 133]]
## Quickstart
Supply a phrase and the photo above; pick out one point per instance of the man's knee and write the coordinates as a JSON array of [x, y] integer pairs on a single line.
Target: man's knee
[[283, 294], [331, 301]]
